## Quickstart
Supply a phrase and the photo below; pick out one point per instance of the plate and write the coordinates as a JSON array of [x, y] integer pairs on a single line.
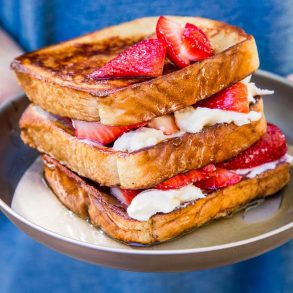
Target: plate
[[256, 229]]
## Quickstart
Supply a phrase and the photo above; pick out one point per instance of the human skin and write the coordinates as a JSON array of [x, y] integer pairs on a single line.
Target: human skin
[[8, 84]]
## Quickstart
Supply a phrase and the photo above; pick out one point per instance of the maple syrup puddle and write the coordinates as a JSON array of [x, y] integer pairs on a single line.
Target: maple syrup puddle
[[262, 209]]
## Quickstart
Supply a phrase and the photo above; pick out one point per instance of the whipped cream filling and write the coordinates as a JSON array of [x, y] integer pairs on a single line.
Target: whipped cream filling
[[141, 138], [152, 201], [252, 172], [253, 90], [191, 120]]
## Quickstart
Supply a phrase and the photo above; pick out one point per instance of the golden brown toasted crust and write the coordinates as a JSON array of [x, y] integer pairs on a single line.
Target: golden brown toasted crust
[[56, 77], [142, 168], [104, 211]]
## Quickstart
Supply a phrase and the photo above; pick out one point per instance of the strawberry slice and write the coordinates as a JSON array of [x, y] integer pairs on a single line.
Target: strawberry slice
[[183, 46], [233, 98], [186, 178], [197, 44], [272, 146], [208, 178], [217, 179], [124, 195], [144, 59], [97, 132], [170, 33], [165, 123]]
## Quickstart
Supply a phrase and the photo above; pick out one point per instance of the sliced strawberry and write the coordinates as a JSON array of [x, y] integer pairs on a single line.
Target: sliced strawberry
[[208, 178], [165, 123], [233, 98], [170, 33], [178, 181], [186, 178], [209, 168], [144, 59], [197, 44], [272, 146], [218, 179], [124, 195], [95, 131], [183, 46]]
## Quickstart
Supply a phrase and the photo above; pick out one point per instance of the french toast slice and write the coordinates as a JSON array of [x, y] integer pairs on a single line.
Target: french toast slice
[[142, 168], [106, 212], [56, 77]]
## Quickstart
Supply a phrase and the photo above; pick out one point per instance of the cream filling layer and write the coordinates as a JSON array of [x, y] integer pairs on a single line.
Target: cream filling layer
[[190, 120], [253, 90], [252, 172], [193, 120], [141, 138], [152, 201]]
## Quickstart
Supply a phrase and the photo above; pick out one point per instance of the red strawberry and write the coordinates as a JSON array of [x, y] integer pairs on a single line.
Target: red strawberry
[[209, 168], [270, 147], [144, 59], [165, 123], [170, 33], [124, 195], [233, 98], [196, 43], [218, 179], [183, 46], [100, 133], [186, 178]]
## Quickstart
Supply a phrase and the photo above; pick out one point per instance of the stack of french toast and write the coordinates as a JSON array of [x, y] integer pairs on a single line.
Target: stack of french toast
[[152, 128]]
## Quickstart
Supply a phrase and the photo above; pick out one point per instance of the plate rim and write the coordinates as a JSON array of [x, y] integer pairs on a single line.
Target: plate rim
[[142, 250]]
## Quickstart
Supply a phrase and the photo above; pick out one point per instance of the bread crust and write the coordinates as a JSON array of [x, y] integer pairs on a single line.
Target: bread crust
[[142, 168], [56, 77], [105, 212]]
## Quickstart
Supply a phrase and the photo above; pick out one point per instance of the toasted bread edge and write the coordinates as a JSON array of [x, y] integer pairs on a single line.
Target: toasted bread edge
[[143, 168]]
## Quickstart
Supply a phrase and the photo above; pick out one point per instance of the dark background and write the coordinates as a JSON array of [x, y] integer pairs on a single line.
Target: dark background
[[26, 266]]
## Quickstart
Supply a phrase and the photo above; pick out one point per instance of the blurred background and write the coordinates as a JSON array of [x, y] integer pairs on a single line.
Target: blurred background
[[36, 23], [25, 25]]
